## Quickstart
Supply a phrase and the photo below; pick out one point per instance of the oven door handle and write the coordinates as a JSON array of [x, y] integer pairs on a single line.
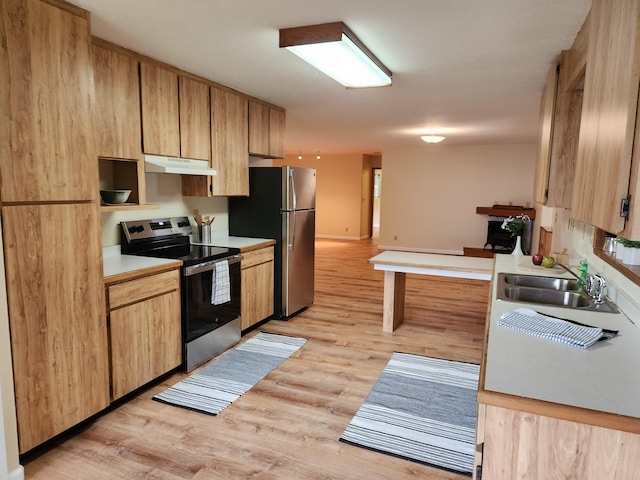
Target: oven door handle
[[206, 266]]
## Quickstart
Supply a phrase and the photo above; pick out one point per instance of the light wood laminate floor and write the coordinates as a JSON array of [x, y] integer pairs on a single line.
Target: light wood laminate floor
[[288, 426]]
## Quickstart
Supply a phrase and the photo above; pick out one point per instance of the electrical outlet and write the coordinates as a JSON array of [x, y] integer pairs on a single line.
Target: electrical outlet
[[395, 237], [346, 229], [196, 211]]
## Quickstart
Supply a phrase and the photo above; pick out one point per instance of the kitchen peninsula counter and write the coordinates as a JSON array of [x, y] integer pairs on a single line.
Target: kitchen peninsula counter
[[602, 378], [545, 407]]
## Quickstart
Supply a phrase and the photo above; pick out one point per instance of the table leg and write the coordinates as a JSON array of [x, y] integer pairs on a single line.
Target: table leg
[[393, 302]]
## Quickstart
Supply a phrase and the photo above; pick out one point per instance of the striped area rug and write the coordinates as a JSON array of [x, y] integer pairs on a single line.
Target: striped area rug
[[214, 387], [422, 409]]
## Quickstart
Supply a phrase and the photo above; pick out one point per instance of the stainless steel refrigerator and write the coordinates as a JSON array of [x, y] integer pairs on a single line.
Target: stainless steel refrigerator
[[281, 205]]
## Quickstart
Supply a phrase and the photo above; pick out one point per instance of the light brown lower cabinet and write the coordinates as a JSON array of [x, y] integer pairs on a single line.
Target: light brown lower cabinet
[[257, 286], [520, 445], [145, 330], [53, 267]]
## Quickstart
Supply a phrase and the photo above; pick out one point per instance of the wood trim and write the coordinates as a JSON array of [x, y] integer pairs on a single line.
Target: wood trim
[[562, 412], [69, 7], [127, 276], [506, 211], [257, 246]]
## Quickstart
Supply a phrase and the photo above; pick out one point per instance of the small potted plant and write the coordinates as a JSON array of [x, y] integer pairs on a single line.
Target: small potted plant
[[515, 226], [631, 251]]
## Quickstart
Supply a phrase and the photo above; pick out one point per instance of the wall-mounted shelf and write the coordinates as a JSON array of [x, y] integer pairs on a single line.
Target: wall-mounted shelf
[[506, 211], [128, 206], [124, 174]]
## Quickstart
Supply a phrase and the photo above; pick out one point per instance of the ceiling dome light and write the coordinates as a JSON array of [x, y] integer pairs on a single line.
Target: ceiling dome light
[[432, 138]]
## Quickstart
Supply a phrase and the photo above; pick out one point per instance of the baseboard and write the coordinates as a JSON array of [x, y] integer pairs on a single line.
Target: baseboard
[[17, 474], [421, 250], [338, 237]]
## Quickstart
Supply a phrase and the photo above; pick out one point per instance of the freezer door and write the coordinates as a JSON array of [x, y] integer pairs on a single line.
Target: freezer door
[[299, 188], [298, 265]]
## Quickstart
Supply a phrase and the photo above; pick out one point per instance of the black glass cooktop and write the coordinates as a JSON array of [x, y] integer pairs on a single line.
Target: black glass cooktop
[[191, 253]]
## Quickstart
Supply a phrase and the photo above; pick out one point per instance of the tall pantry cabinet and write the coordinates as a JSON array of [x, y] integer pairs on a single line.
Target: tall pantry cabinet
[[50, 218]]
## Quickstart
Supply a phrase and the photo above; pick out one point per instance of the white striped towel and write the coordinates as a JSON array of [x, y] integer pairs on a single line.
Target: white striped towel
[[534, 323], [221, 283]]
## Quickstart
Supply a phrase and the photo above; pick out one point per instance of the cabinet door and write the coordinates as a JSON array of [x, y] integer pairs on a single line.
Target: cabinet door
[[258, 129], [47, 102], [229, 141], [145, 342], [195, 119], [277, 119], [257, 286], [547, 112], [195, 133], [566, 131], [608, 114], [56, 306], [117, 113], [160, 111]]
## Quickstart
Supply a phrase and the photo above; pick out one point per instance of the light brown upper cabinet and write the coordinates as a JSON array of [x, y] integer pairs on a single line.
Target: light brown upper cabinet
[[266, 131], [229, 146], [117, 112], [160, 110], [547, 117], [195, 119], [608, 114], [277, 121], [560, 111], [51, 152]]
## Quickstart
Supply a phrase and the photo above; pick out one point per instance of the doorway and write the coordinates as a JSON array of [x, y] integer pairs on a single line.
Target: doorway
[[375, 217]]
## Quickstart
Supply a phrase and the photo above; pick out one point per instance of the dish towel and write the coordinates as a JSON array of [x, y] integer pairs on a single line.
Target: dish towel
[[534, 323], [221, 284]]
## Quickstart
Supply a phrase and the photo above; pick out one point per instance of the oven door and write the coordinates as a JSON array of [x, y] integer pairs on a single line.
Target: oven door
[[199, 315]]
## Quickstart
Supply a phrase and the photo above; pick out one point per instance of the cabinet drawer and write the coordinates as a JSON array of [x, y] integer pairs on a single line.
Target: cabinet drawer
[[141, 288], [256, 257]]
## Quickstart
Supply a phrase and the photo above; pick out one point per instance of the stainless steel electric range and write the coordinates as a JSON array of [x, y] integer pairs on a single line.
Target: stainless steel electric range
[[210, 323]]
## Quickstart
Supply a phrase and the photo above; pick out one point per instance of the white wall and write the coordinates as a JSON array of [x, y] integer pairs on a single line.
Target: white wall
[[430, 193], [164, 190]]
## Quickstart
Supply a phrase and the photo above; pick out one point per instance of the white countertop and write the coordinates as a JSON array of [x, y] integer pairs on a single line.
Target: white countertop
[[116, 264], [603, 377], [222, 239]]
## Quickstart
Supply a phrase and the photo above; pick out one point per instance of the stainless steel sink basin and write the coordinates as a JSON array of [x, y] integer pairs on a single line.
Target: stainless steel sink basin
[[554, 291], [534, 281], [548, 297]]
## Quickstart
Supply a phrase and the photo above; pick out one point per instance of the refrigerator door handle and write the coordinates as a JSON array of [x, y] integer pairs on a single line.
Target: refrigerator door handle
[[293, 189], [293, 228]]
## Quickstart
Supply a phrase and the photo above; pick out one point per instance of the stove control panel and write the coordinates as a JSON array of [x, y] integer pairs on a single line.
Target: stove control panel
[[155, 228]]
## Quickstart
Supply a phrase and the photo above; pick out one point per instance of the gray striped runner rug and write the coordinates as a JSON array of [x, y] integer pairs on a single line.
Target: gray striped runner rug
[[214, 387], [422, 409]]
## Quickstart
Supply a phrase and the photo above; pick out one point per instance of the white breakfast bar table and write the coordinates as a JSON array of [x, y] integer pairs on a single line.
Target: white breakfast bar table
[[397, 264]]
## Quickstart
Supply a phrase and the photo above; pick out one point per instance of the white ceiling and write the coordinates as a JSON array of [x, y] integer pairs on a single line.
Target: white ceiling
[[472, 69]]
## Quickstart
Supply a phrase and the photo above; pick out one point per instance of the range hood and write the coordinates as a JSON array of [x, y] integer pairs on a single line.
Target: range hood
[[180, 166]]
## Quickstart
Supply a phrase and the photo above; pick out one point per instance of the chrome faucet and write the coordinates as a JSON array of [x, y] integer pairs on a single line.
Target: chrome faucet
[[595, 285]]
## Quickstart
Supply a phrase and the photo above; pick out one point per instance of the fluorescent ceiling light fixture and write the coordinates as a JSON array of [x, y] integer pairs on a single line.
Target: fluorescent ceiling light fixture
[[334, 50], [432, 138]]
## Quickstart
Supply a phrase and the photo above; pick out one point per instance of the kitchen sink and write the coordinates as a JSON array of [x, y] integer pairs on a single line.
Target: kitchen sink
[[553, 291], [534, 281], [548, 297]]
